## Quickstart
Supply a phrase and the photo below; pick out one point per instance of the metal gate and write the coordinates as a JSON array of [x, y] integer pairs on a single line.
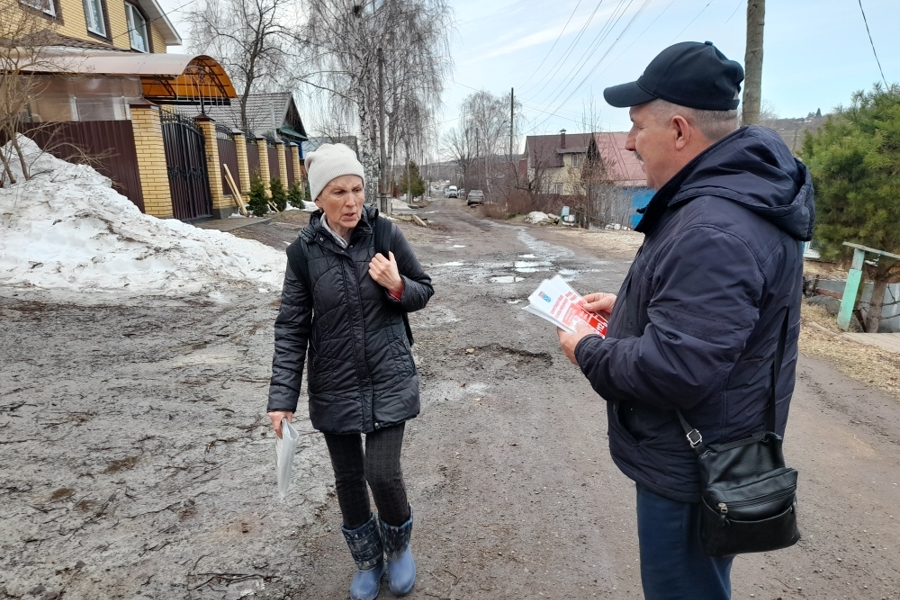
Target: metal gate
[[228, 156], [186, 166]]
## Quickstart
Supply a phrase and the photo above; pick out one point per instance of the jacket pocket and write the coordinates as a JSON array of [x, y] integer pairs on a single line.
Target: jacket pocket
[[402, 353]]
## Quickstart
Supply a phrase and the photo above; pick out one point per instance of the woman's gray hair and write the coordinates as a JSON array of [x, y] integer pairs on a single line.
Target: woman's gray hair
[[713, 124]]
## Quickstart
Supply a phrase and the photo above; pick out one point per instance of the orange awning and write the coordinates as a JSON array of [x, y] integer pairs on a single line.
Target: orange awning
[[168, 78]]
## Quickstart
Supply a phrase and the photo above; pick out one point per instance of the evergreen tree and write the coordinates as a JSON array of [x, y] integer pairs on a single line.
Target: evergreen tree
[[418, 185], [296, 196], [279, 195], [258, 203], [855, 160]]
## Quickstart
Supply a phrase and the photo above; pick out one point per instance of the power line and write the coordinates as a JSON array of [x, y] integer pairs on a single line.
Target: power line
[[550, 51], [598, 40], [692, 20], [602, 58], [640, 35], [866, 21], [565, 54], [740, 3]]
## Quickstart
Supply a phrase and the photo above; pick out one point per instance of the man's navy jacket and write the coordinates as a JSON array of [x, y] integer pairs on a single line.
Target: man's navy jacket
[[699, 316]]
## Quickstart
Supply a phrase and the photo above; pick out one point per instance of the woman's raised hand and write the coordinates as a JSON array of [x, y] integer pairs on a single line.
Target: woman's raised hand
[[385, 272]]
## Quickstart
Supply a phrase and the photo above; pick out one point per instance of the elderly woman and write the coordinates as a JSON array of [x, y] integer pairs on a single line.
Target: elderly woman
[[345, 303]]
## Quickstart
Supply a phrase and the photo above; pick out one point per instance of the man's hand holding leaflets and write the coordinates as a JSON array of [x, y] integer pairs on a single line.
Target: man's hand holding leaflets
[[575, 317]]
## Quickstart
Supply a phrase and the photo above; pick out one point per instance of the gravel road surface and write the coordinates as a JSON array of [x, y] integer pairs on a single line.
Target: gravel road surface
[[136, 460]]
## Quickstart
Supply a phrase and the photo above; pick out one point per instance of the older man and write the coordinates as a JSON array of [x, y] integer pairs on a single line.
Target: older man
[[696, 324]]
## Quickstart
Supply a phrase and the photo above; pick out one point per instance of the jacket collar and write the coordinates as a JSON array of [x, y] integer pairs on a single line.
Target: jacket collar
[[668, 193]]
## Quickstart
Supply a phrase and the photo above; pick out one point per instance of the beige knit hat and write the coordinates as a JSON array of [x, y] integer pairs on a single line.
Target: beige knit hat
[[330, 161]]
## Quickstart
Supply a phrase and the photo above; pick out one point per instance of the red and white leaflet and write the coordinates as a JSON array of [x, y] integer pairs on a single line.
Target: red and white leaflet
[[558, 303]]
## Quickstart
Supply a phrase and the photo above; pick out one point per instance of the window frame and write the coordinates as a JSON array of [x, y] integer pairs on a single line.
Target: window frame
[[47, 8], [103, 20], [132, 9]]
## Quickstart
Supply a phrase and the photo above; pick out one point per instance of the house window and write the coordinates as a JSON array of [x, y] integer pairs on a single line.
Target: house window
[[576, 160], [558, 189], [47, 6], [93, 14], [137, 29]]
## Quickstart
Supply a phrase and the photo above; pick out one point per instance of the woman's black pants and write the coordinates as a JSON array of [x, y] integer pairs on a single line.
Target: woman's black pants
[[379, 465]]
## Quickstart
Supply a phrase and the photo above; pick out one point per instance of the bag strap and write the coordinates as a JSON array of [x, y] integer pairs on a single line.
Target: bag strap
[[383, 238], [693, 436], [302, 265]]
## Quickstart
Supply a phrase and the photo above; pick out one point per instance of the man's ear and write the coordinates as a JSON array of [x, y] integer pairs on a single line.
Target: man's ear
[[683, 131]]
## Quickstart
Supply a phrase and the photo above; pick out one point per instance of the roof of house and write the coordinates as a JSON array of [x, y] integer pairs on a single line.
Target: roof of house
[[267, 115], [623, 166], [47, 37], [160, 20], [547, 150]]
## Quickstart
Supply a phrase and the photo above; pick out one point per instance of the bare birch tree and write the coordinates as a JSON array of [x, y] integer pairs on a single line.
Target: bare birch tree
[[481, 139], [255, 40], [344, 38]]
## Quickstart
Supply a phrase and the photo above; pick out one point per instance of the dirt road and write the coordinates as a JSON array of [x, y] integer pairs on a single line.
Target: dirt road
[[136, 461]]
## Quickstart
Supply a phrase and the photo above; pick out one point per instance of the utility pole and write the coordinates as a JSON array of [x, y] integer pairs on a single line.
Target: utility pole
[[385, 203], [753, 61], [512, 120], [477, 154]]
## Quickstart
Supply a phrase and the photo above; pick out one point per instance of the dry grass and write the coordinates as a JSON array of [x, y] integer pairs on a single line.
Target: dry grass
[[821, 338]]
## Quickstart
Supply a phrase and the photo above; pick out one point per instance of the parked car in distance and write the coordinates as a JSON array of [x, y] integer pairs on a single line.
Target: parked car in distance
[[475, 197], [452, 192]]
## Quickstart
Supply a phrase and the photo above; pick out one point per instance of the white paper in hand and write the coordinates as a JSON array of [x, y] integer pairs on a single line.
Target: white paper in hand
[[285, 447]]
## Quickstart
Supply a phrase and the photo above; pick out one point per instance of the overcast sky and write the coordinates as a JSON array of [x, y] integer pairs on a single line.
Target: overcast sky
[[560, 54]]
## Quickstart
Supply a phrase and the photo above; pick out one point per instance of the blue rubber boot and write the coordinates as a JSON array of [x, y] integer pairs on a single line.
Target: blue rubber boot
[[365, 546], [401, 569]]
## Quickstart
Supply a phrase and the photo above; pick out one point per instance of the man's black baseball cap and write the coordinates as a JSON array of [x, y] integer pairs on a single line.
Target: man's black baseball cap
[[688, 74]]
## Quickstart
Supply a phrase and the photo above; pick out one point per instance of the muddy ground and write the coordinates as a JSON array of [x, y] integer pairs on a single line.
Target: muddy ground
[[136, 460]]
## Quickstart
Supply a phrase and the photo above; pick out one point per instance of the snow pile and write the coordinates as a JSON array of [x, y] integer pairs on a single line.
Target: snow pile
[[537, 217], [68, 230]]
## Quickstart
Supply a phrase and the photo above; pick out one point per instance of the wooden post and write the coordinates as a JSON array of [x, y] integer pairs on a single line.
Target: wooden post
[[854, 277]]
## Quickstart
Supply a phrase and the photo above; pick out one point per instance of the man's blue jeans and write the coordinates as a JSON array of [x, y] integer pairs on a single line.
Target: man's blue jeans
[[673, 565]]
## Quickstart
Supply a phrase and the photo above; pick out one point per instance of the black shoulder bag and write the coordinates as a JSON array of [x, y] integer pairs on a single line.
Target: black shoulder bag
[[749, 498], [382, 234]]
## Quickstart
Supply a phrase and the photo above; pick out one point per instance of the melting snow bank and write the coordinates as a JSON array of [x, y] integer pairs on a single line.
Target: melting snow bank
[[68, 230]]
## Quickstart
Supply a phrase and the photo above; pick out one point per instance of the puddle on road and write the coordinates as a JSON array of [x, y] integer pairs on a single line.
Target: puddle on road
[[531, 266], [542, 258]]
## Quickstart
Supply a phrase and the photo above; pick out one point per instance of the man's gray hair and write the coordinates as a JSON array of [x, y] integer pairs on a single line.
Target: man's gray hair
[[713, 124]]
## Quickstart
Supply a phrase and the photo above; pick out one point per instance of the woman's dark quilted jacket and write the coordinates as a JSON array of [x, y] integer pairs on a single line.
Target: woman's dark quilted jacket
[[361, 372]]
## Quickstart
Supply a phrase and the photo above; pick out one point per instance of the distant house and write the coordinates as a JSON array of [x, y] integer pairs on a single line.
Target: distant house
[[273, 115], [313, 143], [99, 79], [570, 164], [620, 167]]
